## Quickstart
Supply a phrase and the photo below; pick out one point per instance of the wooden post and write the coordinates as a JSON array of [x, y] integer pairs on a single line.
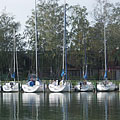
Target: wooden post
[[96, 87], [19, 87], [44, 87]]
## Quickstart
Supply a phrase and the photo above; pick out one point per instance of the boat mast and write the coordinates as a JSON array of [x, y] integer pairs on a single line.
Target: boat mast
[[36, 39], [14, 53], [17, 66], [105, 52], [85, 75], [64, 44], [105, 49]]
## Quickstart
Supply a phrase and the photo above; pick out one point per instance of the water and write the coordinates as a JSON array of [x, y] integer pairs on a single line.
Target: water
[[60, 106]]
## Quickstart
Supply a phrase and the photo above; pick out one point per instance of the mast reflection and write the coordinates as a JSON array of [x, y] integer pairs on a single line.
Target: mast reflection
[[11, 100], [61, 100], [106, 98]]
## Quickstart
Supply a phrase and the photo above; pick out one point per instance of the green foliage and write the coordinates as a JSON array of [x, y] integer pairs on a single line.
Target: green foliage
[[79, 32], [50, 26], [7, 24]]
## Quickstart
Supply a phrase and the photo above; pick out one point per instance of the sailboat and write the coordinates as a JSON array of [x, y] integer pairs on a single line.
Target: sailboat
[[105, 85], [62, 85], [84, 86], [12, 86], [34, 84]]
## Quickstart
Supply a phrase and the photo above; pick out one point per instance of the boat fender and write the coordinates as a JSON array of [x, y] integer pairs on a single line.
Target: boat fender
[[56, 82], [61, 82], [37, 83]]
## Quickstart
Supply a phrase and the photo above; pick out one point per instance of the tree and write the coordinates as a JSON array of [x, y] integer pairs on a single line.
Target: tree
[[7, 24], [50, 19], [107, 14], [79, 28]]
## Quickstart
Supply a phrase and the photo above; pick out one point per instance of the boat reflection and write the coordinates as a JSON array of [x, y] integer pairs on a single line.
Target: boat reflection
[[102, 96], [32, 98], [10, 97], [85, 101], [56, 99], [11, 101], [60, 100], [107, 99], [32, 103], [82, 96]]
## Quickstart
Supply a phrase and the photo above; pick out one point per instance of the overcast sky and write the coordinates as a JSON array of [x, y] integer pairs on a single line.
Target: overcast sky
[[21, 9]]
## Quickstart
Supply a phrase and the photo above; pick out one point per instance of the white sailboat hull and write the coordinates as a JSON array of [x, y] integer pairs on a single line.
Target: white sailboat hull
[[84, 87], [35, 88], [59, 88], [106, 87], [8, 87]]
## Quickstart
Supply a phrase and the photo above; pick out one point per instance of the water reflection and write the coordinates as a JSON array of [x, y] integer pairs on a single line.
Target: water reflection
[[31, 103], [32, 98], [85, 101], [61, 100], [10, 97], [102, 96], [56, 99], [84, 96], [60, 106], [107, 100], [11, 104]]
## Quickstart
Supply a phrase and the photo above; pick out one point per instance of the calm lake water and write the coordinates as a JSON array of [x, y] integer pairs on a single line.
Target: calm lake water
[[60, 106]]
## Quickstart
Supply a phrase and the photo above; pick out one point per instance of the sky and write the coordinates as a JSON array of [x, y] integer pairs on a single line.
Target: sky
[[21, 9]]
